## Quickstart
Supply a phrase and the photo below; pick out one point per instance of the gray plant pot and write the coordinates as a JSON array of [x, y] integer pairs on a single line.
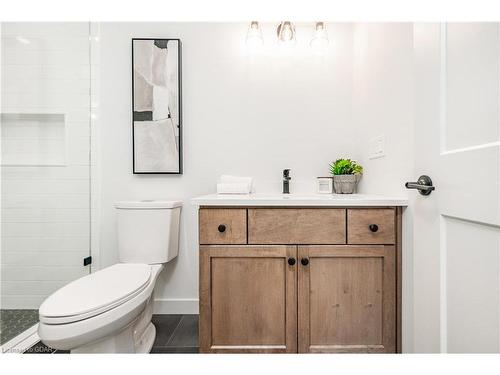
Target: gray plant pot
[[346, 183]]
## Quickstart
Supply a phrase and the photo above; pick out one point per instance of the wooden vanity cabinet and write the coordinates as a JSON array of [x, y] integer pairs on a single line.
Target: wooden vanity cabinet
[[248, 299], [324, 280], [346, 299]]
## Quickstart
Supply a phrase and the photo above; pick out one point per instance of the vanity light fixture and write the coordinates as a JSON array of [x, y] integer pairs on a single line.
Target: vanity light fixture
[[286, 33], [23, 40], [254, 35], [319, 41]]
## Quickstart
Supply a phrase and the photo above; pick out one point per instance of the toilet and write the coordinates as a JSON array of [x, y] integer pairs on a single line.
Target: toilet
[[110, 311]]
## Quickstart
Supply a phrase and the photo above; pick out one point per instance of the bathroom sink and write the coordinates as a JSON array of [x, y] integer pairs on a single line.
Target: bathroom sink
[[261, 199]]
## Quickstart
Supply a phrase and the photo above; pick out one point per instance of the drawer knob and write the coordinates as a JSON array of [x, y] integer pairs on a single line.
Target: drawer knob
[[291, 261], [373, 227], [304, 261], [221, 228]]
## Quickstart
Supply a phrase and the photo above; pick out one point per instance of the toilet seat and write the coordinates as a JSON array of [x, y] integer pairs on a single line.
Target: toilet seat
[[96, 293], [103, 326]]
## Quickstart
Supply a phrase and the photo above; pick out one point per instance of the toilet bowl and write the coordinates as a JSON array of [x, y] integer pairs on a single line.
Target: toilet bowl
[[110, 311], [91, 312]]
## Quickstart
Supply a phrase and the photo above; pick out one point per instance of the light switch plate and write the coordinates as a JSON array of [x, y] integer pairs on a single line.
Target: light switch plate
[[377, 147]]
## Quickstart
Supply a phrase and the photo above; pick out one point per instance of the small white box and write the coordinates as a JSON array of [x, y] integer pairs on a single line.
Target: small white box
[[325, 185]]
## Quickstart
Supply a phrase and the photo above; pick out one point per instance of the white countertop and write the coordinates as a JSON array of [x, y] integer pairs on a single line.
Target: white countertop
[[320, 200]]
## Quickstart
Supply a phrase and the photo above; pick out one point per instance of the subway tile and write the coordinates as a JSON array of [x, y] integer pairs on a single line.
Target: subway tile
[[68, 244], [43, 86], [22, 301], [45, 57], [63, 43], [46, 69], [45, 229], [51, 158], [45, 258], [47, 173], [46, 201], [34, 273], [71, 113], [27, 215], [38, 288], [49, 29], [46, 187], [55, 102], [46, 73], [29, 144], [32, 126]]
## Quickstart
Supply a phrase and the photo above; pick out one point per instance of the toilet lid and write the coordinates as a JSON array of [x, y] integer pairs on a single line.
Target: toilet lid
[[96, 293]]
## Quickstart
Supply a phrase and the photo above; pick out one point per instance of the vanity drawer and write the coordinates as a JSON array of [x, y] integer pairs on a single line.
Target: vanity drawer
[[371, 226], [296, 226], [219, 226]]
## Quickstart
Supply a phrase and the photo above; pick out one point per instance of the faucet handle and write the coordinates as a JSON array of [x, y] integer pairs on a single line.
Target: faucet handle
[[286, 173]]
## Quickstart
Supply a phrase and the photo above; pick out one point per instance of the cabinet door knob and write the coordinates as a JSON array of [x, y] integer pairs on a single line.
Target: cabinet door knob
[[291, 261], [373, 227], [221, 228], [304, 261]]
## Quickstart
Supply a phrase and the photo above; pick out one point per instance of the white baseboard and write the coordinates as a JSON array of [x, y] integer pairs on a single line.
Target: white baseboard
[[176, 306]]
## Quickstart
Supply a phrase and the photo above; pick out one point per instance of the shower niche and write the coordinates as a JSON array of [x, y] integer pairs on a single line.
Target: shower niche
[[34, 139]]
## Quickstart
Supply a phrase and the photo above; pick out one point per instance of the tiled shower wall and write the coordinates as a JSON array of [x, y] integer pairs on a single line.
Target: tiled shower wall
[[45, 173]]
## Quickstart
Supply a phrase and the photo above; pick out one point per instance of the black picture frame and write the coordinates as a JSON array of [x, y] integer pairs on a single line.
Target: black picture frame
[[180, 107]]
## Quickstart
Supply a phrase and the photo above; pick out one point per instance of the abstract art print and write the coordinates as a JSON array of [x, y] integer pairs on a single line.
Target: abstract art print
[[156, 106]]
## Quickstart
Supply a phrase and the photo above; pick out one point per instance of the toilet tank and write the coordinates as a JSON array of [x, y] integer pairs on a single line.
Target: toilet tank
[[148, 231]]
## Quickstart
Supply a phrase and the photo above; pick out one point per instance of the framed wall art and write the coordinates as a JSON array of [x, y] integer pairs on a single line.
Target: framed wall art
[[156, 106]]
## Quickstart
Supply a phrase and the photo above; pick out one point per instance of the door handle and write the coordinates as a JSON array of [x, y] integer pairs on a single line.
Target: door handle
[[423, 185]]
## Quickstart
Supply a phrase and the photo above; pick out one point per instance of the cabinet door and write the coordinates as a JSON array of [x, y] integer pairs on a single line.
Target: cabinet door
[[346, 299], [248, 299]]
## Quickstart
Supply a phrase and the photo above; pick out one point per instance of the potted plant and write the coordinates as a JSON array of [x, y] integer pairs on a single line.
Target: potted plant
[[346, 175]]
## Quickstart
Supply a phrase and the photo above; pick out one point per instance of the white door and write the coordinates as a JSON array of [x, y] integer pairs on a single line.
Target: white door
[[457, 227]]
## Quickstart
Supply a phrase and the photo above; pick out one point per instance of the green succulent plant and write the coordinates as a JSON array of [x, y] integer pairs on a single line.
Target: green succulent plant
[[345, 166]]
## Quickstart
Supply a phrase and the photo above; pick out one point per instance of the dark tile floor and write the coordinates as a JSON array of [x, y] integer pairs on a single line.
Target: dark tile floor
[[15, 321], [174, 334]]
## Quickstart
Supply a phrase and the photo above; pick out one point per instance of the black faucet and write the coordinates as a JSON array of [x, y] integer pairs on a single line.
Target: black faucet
[[286, 181]]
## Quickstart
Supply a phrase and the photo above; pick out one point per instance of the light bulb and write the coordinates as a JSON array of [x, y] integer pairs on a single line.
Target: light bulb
[[286, 32], [23, 39], [319, 41], [254, 35]]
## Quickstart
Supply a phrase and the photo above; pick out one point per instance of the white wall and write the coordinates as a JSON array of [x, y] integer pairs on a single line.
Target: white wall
[[45, 159], [248, 115], [383, 104], [255, 115]]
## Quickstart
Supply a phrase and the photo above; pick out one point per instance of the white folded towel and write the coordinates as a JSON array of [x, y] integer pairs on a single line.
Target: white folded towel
[[233, 188], [234, 185], [230, 179]]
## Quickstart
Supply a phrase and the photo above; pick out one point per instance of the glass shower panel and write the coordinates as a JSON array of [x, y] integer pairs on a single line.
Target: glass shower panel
[[45, 168]]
